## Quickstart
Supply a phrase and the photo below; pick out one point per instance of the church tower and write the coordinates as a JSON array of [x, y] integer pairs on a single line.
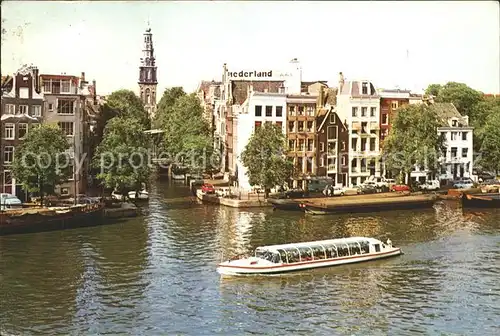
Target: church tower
[[147, 75]]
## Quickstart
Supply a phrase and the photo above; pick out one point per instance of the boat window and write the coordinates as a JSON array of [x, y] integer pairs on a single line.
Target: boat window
[[305, 253], [365, 246], [354, 248], [267, 255], [293, 255], [377, 247], [319, 252], [331, 250], [283, 256], [343, 250]]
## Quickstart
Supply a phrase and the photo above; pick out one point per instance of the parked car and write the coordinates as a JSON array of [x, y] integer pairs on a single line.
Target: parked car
[[208, 188], [366, 189], [463, 183], [333, 191], [9, 201], [430, 185], [294, 193], [400, 187]]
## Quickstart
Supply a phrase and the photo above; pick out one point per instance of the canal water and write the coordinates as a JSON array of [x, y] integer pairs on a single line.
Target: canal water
[[156, 275]]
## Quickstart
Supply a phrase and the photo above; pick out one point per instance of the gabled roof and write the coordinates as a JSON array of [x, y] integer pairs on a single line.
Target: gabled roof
[[445, 111], [354, 89], [240, 89]]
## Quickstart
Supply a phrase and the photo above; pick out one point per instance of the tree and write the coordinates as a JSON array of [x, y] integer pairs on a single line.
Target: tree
[[413, 139], [463, 97], [433, 89], [490, 148], [264, 157], [166, 104], [122, 156], [187, 134], [40, 162]]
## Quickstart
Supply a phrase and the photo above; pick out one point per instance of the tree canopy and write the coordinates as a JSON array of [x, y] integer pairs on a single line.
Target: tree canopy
[[264, 157], [413, 139], [187, 137], [490, 147], [122, 156], [40, 162]]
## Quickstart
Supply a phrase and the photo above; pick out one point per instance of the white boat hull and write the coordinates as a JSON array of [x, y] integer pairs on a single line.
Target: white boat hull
[[178, 177], [143, 196], [237, 268]]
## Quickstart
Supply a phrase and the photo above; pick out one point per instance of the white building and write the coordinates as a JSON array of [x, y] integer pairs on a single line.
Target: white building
[[259, 108], [458, 159], [358, 106]]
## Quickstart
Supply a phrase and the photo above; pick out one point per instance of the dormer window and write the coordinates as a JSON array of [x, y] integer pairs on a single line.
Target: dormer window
[[364, 88], [454, 123]]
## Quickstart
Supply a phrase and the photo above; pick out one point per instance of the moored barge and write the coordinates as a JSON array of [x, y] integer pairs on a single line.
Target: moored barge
[[486, 200]]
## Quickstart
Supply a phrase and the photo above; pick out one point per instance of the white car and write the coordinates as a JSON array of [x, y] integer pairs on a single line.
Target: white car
[[334, 191], [431, 185]]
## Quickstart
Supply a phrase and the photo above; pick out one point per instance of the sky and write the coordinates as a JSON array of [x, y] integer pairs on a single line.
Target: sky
[[395, 44]]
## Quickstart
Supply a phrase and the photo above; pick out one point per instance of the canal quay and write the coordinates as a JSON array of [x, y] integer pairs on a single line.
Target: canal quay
[[156, 274]]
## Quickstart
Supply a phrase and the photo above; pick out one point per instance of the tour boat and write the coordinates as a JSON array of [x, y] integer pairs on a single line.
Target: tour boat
[[301, 256]]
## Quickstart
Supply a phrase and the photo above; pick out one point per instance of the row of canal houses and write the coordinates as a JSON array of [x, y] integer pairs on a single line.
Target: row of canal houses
[[336, 132], [29, 99]]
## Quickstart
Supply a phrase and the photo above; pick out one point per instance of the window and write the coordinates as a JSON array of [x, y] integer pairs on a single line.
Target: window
[[332, 118], [279, 124], [279, 111], [321, 162], [310, 144], [301, 126], [354, 144], [46, 86], [384, 118], [301, 110], [454, 122], [372, 111], [364, 88], [51, 107], [10, 109], [321, 146], [310, 110], [291, 126], [301, 145], [291, 110], [394, 104], [372, 144], [269, 111], [23, 109], [453, 152], [36, 110], [453, 135], [354, 111], [465, 152], [22, 130], [258, 124], [363, 111], [65, 106], [8, 154], [310, 126], [464, 136], [343, 161], [8, 131], [291, 145], [65, 86], [64, 191], [258, 111], [67, 127]]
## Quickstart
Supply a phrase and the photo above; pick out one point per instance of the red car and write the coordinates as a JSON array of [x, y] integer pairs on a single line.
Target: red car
[[208, 188], [400, 187]]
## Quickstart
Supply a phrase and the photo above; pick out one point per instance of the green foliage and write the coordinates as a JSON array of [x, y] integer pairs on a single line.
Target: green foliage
[[490, 147], [413, 140], [122, 156], [264, 157], [433, 89], [187, 135], [40, 162], [166, 104]]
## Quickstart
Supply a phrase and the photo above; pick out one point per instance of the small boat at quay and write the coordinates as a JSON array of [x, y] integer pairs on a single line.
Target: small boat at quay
[[276, 259]]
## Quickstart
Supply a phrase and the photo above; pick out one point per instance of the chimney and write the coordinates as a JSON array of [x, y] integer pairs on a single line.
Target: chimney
[[36, 79], [341, 81], [321, 97], [82, 77]]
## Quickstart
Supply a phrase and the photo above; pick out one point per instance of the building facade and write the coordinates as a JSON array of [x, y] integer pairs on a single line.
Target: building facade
[[66, 103], [390, 101], [358, 106], [148, 75], [258, 109], [21, 110]]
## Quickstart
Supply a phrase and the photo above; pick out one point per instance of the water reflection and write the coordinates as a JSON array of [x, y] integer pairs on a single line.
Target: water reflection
[[156, 274]]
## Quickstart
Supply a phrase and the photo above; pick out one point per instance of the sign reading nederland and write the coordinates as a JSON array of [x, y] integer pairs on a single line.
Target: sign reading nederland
[[248, 74]]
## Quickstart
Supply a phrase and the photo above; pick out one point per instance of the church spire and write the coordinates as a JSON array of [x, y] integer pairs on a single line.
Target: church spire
[[147, 73]]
